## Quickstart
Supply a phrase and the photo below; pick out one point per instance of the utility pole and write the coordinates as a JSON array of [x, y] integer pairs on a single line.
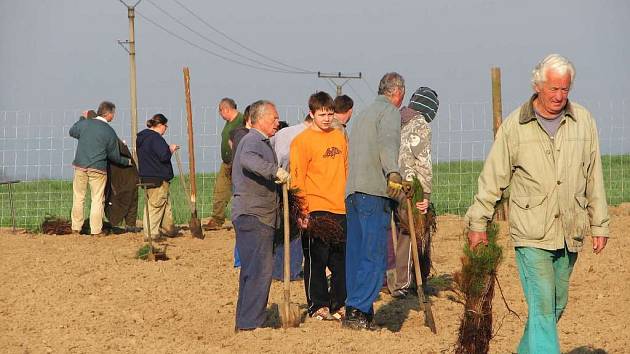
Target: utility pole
[[339, 75], [132, 73]]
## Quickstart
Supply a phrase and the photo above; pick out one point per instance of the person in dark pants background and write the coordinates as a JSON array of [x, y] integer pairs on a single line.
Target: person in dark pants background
[[255, 213], [121, 193]]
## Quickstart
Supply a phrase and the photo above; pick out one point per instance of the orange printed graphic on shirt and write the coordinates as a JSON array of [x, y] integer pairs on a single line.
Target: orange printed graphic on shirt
[[319, 168]]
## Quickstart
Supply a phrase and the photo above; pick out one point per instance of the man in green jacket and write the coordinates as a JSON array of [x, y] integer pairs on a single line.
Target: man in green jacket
[[547, 153], [97, 143], [223, 183]]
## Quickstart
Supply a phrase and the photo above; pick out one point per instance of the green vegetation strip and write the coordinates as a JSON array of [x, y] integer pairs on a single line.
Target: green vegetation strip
[[454, 186]]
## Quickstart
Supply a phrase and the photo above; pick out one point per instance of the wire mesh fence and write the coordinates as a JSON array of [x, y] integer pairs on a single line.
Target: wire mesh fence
[[37, 150]]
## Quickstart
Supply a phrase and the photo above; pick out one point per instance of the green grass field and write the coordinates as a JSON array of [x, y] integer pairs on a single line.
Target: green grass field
[[454, 185]]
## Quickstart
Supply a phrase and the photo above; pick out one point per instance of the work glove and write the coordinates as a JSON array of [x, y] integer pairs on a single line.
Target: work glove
[[394, 186], [282, 176]]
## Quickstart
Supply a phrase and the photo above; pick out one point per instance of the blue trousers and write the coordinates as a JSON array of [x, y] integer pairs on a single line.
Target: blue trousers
[[254, 241], [366, 248], [545, 279], [237, 259], [295, 265]]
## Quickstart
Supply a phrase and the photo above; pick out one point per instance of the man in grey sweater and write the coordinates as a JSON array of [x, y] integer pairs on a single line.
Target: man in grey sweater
[[255, 213], [373, 162]]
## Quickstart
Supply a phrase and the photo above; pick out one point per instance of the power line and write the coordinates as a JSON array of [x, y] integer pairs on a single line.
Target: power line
[[238, 43], [208, 50], [219, 45], [356, 92], [338, 75], [368, 85]]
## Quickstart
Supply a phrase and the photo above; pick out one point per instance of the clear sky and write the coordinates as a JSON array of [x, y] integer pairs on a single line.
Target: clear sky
[[64, 54], [60, 57]]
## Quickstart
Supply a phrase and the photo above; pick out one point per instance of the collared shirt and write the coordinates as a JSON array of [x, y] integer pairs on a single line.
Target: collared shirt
[[556, 187], [373, 148], [253, 174], [281, 143], [101, 119], [226, 152]]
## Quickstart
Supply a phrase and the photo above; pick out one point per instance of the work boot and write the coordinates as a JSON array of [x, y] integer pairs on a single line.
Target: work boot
[[171, 233], [355, 319], [117, 230], [133, 229], [213, 225]]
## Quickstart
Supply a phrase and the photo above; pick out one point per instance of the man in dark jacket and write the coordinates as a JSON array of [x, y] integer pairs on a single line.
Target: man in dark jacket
[[97, 143], [121, 193]]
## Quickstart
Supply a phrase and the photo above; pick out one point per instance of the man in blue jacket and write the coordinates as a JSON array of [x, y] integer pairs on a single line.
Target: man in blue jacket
[[97, 143]]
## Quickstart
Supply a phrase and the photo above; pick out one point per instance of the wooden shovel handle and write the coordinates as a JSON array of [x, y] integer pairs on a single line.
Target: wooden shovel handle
[[191, 145], [424, 302], [287, 254]]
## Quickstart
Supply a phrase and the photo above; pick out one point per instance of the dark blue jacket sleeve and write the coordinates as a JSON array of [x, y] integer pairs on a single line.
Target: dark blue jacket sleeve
[[162, 149]]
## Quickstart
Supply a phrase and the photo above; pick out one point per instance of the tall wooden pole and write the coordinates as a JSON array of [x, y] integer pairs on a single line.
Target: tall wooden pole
[[497, 119], [131, 14], [132, 79]]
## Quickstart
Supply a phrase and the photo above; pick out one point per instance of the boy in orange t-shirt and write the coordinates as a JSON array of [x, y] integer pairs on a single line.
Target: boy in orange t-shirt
[[319, 169]]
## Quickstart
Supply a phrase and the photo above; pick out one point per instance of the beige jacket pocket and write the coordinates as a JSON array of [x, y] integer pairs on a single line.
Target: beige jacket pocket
[[527, 216], [576, 221]]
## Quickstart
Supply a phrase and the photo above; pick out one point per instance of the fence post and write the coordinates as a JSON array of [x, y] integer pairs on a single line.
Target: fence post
[[497, 118]]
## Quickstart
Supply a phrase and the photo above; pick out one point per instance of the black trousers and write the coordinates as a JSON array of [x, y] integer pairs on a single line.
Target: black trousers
[[317, 256], [122, 206]]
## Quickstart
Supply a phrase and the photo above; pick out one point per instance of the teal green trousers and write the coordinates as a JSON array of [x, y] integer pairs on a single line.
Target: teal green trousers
[[545, 279]]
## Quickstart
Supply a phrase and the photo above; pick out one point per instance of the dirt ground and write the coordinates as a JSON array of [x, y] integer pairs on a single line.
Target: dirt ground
[[77, 294]]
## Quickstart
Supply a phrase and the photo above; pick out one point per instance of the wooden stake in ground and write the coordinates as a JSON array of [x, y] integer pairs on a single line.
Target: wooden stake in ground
[[289, 313], [429, 321], [195, 224]]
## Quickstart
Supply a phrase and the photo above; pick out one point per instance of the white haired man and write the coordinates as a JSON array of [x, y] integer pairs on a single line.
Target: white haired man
[[547, 153], [255, 210]]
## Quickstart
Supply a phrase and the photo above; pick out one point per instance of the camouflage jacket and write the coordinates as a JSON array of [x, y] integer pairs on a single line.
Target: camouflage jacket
[[414, 157]]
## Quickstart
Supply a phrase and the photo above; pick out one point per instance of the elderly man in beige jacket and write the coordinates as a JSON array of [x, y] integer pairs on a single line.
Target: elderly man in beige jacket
[[547, 153]]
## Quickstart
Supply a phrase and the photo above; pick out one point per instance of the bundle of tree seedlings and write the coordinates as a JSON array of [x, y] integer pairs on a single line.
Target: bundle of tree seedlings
[[326, 229], [425, 225], [296, 204], [476, 290], [54, 225]]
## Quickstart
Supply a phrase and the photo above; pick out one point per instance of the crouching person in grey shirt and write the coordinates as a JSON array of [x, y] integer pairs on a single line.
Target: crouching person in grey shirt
[[255, 213]]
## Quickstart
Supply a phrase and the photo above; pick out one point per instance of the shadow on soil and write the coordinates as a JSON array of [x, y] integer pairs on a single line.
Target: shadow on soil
[[587, 350], [393, 314]]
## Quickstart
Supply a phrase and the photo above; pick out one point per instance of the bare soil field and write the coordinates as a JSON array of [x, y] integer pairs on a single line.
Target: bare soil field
[[78, 294]]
